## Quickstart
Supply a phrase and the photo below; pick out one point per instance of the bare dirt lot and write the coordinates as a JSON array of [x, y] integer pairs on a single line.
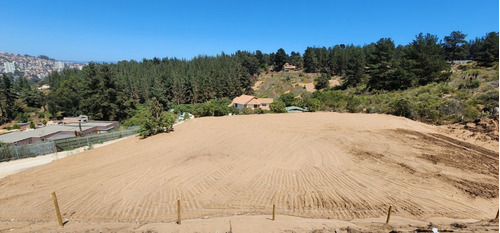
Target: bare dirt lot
[[347, 167]]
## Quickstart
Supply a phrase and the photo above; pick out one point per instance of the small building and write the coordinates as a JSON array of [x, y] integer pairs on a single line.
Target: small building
[[287, 67], [292, 109], [54, 132], [248, 101]]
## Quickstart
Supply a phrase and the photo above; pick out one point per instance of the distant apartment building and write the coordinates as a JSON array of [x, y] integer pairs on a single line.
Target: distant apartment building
[[59, 65], [10, 67]]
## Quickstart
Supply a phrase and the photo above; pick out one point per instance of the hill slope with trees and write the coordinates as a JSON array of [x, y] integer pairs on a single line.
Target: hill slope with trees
[[377, 77]]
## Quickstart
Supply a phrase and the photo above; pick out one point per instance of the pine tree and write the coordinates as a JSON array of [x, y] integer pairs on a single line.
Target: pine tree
[[424, 60], [455, 46], [7, 98], [488, 50], [280, 59], [354, 73]]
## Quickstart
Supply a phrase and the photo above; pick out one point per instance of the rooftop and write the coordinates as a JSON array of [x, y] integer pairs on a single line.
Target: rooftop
[[12, 137]]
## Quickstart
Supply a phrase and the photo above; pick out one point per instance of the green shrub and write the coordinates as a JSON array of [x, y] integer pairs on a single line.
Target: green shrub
[[246, 111], [313, 104], [322, 82], [16, 126], [24, 117], [154, 125], [353, 104], [278, 107], [156, 120], [470, 113], [401, 107], [259, 111], [288, 99]]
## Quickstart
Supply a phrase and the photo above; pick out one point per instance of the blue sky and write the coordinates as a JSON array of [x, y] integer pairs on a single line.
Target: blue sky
[[123, 30]]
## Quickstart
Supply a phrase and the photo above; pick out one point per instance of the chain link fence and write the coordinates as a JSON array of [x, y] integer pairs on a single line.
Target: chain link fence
[[8, 153], [72, 143]]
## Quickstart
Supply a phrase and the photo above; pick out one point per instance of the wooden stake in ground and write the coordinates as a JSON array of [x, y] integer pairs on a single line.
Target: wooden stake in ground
[[179, 211], [57, 209], [388, 214], [274, 212]]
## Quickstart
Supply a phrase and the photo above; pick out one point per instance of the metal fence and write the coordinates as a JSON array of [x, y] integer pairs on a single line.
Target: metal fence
[[20, 152], [71, 143], [8, 153]]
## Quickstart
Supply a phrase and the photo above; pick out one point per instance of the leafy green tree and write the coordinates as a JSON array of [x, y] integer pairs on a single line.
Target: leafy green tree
[[66, 98], [288, 99], [313, 104], [221, 106], [155, 108], [32, 125], [24, 117], [277, 107], [157, 121]]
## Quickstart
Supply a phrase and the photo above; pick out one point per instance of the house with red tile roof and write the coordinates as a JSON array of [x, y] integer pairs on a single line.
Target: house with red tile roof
[[248, 101]]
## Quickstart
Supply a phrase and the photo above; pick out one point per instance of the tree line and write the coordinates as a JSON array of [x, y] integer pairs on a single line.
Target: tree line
[[115, 91], [384, 66]]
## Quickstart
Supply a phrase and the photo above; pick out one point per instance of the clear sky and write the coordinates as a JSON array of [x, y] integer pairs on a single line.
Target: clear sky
[[88, 30]]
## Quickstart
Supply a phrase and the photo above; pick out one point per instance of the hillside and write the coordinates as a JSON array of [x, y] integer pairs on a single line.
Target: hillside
[[315, 165], [274, 84], [31, 67], [470, 94]]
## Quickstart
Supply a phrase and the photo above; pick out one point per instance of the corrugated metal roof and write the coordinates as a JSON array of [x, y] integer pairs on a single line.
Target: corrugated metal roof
[[42, 132]]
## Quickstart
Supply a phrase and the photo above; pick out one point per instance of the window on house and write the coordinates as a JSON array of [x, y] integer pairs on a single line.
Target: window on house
[[255, 106], [263, 105], [245, 105], [236, 105]]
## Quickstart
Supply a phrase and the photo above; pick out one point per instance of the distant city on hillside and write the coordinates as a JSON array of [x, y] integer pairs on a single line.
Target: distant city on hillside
[[31, 67]]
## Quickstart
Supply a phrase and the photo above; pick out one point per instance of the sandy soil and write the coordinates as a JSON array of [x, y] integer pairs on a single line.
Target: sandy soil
[[348, 167], [334, 83], [256, 85], [18, 165], [309, 86]]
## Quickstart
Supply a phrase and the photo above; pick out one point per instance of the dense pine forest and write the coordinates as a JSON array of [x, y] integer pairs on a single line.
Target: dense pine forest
[[121, 91]]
